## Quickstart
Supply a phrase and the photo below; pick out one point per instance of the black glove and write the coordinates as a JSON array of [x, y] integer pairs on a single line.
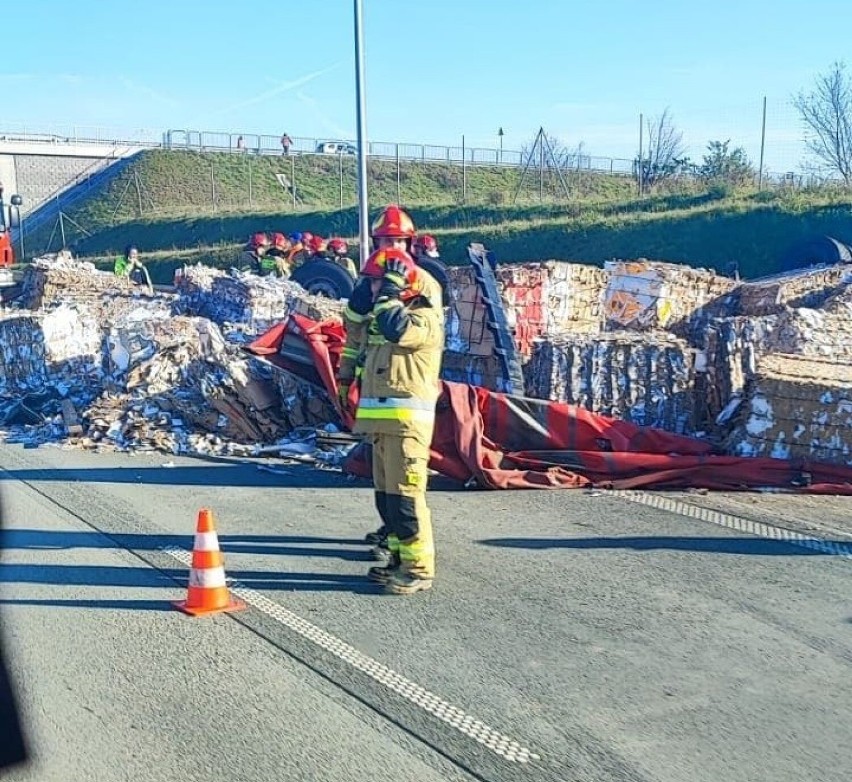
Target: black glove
[[394, 281], [361, 298]]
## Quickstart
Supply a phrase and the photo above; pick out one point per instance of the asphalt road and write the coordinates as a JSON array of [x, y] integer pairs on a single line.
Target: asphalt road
[[569, 636]]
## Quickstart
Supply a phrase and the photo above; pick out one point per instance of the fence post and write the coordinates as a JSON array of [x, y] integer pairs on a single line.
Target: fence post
[[340, 173], [138, 190], [251, 194], [212, 187], [641, 170], [762, 142], [464, 172], [398, 197], [293, 179]]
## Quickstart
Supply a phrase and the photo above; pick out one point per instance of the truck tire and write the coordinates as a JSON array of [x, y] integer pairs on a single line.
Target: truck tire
[[324, 278], [815, 250], [438, 269]]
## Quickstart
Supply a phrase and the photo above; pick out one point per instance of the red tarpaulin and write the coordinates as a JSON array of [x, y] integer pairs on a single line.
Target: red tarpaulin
[[510, 442]]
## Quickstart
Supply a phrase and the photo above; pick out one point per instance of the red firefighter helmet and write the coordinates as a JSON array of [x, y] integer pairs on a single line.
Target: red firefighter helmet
[[258, 240], [427, 245], [316, 244], [393, 223], [280, 242], [338, 246]]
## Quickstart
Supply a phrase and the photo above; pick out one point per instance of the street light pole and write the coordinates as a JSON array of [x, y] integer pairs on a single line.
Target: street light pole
[[363, 205], [500, 136]]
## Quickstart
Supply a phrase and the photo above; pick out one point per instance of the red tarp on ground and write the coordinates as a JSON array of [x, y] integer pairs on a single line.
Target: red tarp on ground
[[509, 442]]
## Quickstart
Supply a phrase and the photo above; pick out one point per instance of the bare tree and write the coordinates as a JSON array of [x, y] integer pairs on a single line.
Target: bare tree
[[665, 156], [827, 114]]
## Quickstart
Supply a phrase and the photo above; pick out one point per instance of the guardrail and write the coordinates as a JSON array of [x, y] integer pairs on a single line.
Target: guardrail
[[265, 144], [387, 150]]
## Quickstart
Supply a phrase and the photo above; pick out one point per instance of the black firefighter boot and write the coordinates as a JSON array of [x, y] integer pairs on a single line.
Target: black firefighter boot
[[382, 574]]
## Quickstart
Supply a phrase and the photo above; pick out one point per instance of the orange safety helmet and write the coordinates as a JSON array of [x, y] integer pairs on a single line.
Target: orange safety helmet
[[427, 245], [393, 223], [280, 242], [338, 246], [258, 240]]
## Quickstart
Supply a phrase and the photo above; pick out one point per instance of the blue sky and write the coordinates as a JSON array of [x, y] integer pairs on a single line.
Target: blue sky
[[436, 69]]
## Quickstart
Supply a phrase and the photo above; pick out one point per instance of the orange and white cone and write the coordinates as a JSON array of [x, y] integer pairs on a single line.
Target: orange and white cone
[[208, 593]]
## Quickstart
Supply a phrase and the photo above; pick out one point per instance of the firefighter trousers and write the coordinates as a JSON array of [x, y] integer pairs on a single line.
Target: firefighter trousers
[[400, 475]]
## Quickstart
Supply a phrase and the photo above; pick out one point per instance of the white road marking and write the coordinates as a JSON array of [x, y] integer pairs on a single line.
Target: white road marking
[[738, 523], [497, 742]]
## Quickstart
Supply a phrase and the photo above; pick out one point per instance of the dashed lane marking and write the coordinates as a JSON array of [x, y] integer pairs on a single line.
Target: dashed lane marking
[[738, 523], [497, 742]]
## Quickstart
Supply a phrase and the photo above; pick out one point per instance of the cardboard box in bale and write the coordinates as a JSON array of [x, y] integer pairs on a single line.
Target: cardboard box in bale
[[804, 288], [643, 378], [795, 408], [643, 294]]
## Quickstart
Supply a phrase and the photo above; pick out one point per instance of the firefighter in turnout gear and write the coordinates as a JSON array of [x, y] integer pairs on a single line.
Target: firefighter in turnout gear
[[276, 256], [392, 228], [395, 332]]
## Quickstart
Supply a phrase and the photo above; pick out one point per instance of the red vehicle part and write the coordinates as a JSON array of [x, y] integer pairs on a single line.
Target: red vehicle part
[[9, 219], [511, 442]]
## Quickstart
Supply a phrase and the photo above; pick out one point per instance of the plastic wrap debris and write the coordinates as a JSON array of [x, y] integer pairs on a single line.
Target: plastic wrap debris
[[325, 446]]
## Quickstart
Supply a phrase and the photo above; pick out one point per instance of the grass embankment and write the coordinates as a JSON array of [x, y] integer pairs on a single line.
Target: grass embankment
[[173, 192]]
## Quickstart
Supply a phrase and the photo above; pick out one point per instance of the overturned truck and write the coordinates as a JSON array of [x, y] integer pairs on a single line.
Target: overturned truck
[[491, 434]]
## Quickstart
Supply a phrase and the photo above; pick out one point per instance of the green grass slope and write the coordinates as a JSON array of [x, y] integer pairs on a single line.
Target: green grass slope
[[182, 207]]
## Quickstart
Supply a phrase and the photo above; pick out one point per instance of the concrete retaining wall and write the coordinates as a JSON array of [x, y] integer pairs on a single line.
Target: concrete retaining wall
[[39, 176]]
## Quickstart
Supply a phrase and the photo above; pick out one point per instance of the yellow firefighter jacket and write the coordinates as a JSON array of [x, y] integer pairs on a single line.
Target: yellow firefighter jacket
[[400, 368]]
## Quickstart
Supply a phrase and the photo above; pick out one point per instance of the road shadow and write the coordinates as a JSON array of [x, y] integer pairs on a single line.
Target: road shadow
[[749, 546], [211, 473], [175, 578], [208, 474], [279, 545], [124, 605]]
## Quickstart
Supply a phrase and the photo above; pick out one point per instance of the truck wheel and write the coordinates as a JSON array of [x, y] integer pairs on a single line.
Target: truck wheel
[[438, 269], [324, 278], [816, 250]]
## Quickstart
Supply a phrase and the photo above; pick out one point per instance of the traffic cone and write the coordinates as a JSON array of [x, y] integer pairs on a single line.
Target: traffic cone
[[207, 593]]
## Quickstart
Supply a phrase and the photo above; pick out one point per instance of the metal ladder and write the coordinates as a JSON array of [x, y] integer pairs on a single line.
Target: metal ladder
[[482, 260]]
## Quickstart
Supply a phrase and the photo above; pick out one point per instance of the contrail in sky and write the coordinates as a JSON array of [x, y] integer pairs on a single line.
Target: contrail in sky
[[278, 90], [326, 121]]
